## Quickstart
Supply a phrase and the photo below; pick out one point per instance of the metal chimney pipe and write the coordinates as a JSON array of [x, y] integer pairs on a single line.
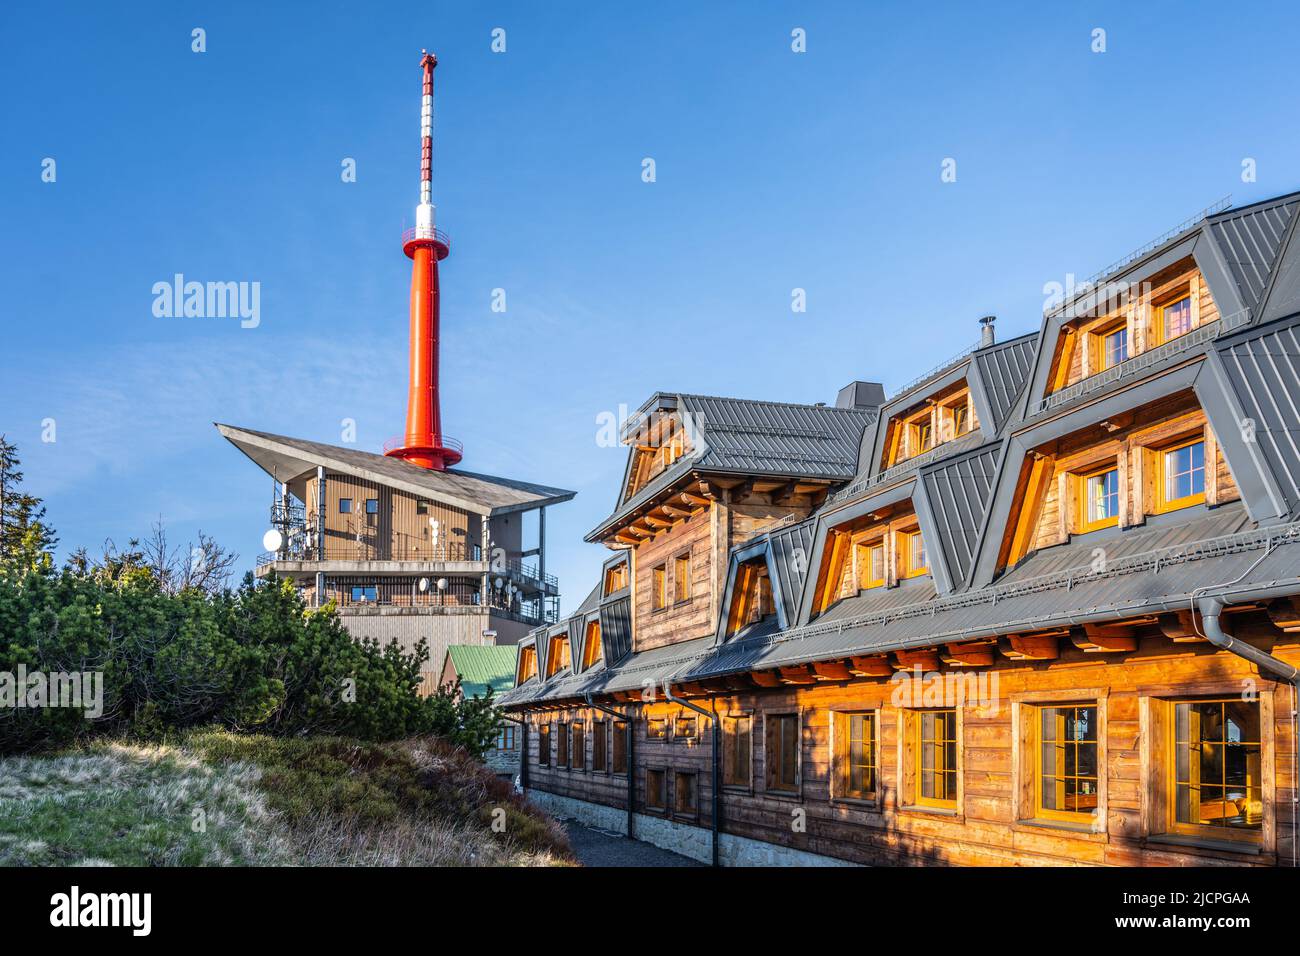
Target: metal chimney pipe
[[987, 337]]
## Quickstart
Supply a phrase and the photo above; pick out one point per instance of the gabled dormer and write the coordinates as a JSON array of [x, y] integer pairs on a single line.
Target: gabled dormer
[[659, 435], [526, 662]]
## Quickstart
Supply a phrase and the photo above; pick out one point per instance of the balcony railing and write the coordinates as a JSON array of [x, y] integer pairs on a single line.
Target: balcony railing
[[1144, 360], [407, 548], [399, 441]]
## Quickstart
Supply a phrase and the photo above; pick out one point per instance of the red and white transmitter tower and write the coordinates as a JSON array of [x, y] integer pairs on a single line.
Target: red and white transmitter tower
[[424, 444]]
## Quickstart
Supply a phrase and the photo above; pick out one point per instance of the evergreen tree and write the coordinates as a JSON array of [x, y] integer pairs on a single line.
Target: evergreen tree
[[25, 539]]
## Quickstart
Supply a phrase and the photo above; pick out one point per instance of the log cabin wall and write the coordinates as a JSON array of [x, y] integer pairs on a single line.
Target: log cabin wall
[[401, 529], [991, 823]]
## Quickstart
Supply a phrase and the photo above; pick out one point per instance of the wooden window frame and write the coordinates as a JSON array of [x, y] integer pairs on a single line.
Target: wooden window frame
[[1204, 832], [665, 808], [578, 746], [691, 720], [615, 579], [615, 732], [1026, 710], [527, 664], [840, 739], [678, 560], [1159, 457], [1081, 500], [693, 812], [562, 758], [600, 735], [909, 538], [544, 735], [1166, 301], [659, 588], [592, 647], [863, 554], [665, 736], [796, 789], [909, 760], [1097, 344], [747, 785]]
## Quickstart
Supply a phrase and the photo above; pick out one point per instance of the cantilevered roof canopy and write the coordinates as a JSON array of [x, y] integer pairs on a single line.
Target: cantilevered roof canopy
[[287, 458]]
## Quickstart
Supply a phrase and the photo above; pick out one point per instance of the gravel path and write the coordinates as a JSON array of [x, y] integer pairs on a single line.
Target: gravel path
[[602, 848]]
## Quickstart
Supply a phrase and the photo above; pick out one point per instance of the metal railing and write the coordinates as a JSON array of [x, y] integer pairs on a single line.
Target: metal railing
[[1145, 360], [440, 237], [407, 548], [531, 571], [953, 362], [444, 441], [907, 466], [1088, 285]]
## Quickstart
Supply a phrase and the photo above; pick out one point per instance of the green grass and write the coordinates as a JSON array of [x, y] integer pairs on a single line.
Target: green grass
[[267, 801]]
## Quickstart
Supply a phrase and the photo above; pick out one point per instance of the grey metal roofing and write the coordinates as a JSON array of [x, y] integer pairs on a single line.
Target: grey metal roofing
[[287, 458], [756, 438], [790, 547], [616, 627], [1250, 239], [953, 508], [1262, 367], [1004, 371]]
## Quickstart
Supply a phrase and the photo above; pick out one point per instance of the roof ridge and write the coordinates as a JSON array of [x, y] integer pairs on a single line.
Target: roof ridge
[[764, 401]]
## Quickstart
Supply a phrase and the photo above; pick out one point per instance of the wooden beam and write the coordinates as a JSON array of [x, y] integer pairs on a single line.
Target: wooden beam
[[971, 654], [696, 500], [926, 658], [1105, 639], [1285, 614], [800, 674], [875, 666], [765, 678], [831, 670], [1031, 647], [1181, 626]]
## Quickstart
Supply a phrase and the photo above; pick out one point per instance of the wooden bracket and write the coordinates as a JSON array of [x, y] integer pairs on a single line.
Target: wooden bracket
[[1031, 647]]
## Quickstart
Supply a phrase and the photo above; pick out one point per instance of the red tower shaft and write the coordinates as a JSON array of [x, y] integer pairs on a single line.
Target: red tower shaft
[[424, 443]]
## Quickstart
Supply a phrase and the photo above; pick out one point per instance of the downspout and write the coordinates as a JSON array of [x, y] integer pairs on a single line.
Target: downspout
[[523, 749], [631, 764], [716, 775], [320, 533], [1211, 608]]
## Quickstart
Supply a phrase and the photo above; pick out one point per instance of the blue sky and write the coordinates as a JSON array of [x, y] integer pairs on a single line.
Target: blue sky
[[775, 170]]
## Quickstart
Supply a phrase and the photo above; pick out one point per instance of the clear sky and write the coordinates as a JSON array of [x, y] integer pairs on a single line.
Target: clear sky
[[775, 170]]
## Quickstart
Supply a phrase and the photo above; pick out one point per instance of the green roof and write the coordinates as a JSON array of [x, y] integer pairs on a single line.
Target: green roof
[[481, 667]]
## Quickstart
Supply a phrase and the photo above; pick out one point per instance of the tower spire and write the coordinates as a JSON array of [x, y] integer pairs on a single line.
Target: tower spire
[[424, 443]]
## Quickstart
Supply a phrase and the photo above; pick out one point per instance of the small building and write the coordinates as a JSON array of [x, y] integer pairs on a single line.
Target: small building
[[484, 670]]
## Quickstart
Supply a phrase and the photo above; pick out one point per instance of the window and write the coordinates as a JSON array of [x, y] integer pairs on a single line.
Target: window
[[527, 663], [919, 436], [1066, 786], [656, 797], [579, 748], [618, 747], [600, 746], [1176, 318], [656, 728], [422, 507], [682, 578], [345, 506], [871, 565], [591, 648], [1182, 475], [934, 758], [782, 752], [854, 769], [913, 554], [616, 578], [736, 750], [372, 506], [659, 588], [685, 797], [506, 737], [562, 744], [1114, 347], [1217, 769], [686, 727], [365, 594], [960, 419], [1099, 499], [544, 745]]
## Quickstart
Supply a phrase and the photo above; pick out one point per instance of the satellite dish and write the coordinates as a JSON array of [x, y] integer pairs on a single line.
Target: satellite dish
[[272, 540], [442, 584], [424, 584]]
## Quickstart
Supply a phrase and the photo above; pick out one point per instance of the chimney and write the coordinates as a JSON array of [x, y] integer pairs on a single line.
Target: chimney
[[861, 395], [986, 331]]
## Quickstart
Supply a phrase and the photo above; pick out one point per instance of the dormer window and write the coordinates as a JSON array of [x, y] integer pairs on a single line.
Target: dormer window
[[1099, 498], [527, 664], [871, 565], [1176, 318], [912, 550], [920, 437], [1182, 475], [1114, 346]]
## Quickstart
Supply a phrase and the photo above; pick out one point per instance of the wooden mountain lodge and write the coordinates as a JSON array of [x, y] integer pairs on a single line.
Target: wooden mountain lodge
[[1041, 606]]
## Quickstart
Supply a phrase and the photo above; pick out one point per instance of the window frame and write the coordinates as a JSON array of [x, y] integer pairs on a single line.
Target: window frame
[[1081, 479], [692, 812], [614, 754], [795, 790], [544, 736], [909, 760], [907, 553], [1204, 832], [747, 783], [369, 502], [1039, 812], [600, 736], [1160, 314], [665, 736], [692, 720], [659, 588], [348, 509], [865, 580], [578, 746], [840, 742], [1163, 503], [665, 808], [678, 560]]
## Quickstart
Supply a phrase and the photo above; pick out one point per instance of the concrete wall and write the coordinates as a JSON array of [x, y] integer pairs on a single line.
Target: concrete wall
[[690, 841]]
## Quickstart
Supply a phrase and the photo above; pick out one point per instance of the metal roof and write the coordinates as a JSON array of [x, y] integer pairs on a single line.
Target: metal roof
[[484, 667], [952, 507], [287, 458], [1250, 239], [1003, 372]]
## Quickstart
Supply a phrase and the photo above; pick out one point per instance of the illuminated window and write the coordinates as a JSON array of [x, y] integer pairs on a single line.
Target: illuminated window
[[1065, 782], [682, 578], [1176, 318], [782, 752], [1099, 499], [558, 657], [616, 578], [1182, 475], [736, 750], [912, 549], [527, 664], [871, 565], [659, 588], [656, 796], [855, 756], [656, 728], [544, 745], [684, 793], [686, 727], [1217, 768], [591, 647], [933, 758], [1114, 347]]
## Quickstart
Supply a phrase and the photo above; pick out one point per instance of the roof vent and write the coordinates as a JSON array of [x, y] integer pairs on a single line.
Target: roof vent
[[861, 395], [986, 331]]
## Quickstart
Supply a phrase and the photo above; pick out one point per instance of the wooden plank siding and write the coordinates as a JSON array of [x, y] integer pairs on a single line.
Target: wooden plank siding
[[397, 532], [990, 826]]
